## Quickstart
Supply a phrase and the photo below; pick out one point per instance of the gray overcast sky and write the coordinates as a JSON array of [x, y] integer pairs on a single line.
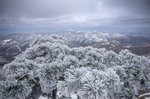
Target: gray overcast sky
[[82, 13]]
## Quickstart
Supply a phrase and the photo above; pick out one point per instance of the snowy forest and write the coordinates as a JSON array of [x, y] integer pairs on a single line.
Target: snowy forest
[[49, 65]]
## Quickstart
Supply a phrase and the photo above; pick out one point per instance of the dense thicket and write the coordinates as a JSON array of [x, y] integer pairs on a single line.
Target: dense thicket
[[89, 72]]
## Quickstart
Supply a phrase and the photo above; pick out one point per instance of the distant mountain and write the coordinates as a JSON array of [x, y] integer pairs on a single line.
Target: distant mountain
[[12, 45]]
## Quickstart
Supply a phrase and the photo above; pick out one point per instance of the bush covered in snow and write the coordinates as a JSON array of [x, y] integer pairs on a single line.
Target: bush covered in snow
[[89, 72]]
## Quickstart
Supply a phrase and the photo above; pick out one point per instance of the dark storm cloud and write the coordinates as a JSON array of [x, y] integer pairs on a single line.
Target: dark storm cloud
[[83, 12]]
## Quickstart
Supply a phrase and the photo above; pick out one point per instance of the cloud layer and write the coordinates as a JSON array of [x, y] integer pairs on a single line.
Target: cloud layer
[[74, 12]]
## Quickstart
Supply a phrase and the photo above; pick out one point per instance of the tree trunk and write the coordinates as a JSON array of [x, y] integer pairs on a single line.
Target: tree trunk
[[78, 97], [48, 97], [54, 94]]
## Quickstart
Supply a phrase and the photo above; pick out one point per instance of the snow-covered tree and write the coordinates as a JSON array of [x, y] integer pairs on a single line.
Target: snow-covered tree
[[92, 83], [89, 72], [136, 68], [19, 74]]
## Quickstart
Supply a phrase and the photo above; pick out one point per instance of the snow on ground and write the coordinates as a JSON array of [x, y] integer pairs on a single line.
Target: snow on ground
[[7, 40], [41, 97], [147, 97], [74, 96], [145, 94]]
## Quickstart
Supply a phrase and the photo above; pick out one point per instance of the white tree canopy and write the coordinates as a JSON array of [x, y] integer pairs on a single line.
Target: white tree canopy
[[89, 72]]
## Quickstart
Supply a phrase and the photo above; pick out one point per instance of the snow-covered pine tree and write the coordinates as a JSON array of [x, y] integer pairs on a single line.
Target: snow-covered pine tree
[[19, 75], [89, 72], [47, 53], [24, 75], [136, 68]]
